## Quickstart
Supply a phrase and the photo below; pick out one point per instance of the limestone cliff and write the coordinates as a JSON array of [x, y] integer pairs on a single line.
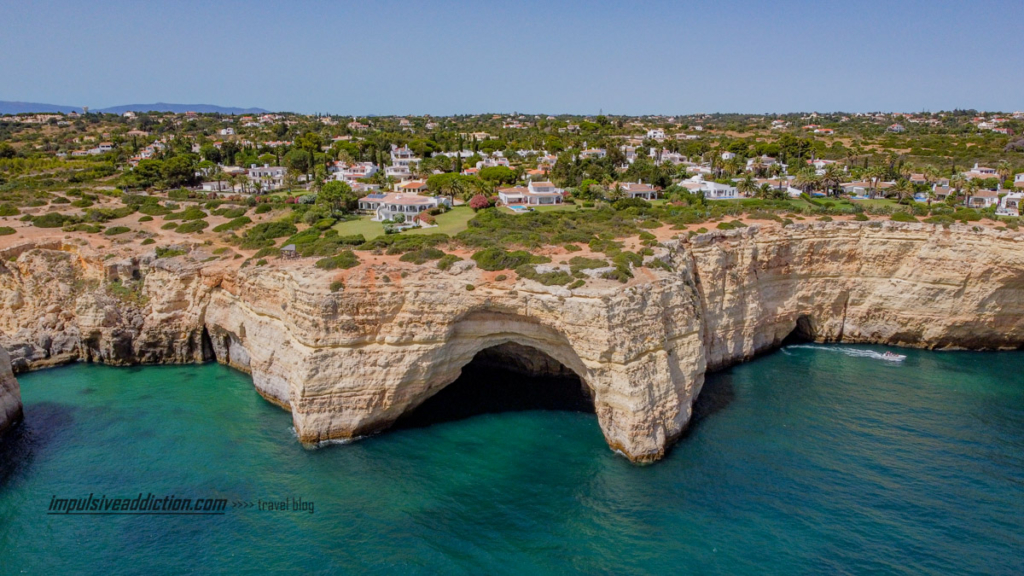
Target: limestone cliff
[[10, 394], [350, 362]]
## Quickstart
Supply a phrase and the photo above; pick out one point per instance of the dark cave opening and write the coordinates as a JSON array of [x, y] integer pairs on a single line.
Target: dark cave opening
[[504, 378], [804, 331]]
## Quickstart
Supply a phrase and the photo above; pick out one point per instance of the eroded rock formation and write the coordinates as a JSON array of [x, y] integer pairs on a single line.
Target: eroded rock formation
[[10, 394], [350, 363]]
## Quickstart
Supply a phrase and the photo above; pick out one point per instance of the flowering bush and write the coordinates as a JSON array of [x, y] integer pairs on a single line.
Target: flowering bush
[[479, 202]]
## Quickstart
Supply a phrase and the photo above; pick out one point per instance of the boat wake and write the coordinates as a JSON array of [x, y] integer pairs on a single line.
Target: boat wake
[[854, 352]]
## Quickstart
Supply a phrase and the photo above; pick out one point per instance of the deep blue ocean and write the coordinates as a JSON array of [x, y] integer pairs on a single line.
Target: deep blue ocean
[[810, 460]]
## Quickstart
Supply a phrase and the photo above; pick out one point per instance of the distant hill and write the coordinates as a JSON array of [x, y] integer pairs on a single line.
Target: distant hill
[[179, 108], [29, 107], [26, 107]]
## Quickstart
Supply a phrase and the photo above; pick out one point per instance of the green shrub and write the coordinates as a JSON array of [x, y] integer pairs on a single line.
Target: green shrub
[[576, 284], [115, 230], [146, 219], [578, 263], [83, 227], [264, 234], [148, 241], [902, 217], [572, 248], [168, 252], [261, 262], [193, 226], [861, 217], [154, 210], [7, 231], [190, 213], [346, 259], [552, 278], [470, 287], [52, 220], [169, 226], [492, 259], [230, 212], [500, 278], [337, 286], [8, 210], [268, 251], [825, 219], [83, 203], [263, 208], [422, 255], [55, 200], [233, 224], [447, 260]]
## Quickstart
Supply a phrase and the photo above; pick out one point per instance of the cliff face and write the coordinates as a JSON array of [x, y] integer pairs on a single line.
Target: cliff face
[[10, 394], [349, 363]]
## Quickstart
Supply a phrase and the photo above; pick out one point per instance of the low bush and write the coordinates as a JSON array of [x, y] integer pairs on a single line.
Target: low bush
[[169, 252], [115, 230], [233, 224], [7, 231], [902, 217], [8, 210], [193, 226], [148, 241], [422, 255], [447, 260], [146, 219], [552, 278], [492, 259], [346, 259]]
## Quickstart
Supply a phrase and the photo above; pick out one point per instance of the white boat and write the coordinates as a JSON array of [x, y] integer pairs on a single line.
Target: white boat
[[893, 357]]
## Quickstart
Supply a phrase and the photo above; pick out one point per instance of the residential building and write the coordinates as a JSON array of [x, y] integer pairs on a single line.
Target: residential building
[[637, 190], [534, 194], [267, 177], [1010, 204], [393, 204], [983, 199], [656, 134]]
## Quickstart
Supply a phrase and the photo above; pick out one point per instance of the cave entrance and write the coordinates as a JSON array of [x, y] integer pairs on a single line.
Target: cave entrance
[[804, 331], [508, 377]]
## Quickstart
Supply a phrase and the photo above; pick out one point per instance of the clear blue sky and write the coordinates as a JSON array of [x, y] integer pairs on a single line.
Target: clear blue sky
[[420, 57]]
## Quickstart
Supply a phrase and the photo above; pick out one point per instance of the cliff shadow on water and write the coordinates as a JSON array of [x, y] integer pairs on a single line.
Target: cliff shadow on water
[[505, 378]]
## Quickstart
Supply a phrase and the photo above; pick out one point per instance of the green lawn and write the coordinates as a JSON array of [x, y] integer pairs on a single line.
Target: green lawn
[[363, 225], [451, 222]]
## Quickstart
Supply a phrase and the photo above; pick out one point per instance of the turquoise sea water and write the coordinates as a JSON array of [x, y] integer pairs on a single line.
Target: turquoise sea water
[[811, 460]]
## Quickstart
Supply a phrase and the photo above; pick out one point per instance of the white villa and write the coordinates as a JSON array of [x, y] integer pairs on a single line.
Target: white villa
[[711, 190], [1009, 205], [637, 190], [388, 206], [1018, 180], [983, 199], [534, 194], [268, 177]]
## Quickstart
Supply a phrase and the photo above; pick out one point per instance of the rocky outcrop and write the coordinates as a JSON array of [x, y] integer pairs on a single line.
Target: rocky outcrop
[[10, 394], [350, 363]]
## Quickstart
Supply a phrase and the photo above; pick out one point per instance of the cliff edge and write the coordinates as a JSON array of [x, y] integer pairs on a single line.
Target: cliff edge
[[348, 362]]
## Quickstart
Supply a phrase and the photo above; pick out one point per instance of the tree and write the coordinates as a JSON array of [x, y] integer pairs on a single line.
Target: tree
[[210, 153], [498, 175], [298, 160], [336, 195], [904, 191], [831, 179], [1004, 171], [747, 186], [179, 171]]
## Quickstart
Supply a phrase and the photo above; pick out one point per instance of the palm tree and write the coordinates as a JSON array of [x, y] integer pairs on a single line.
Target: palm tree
[[831, 179], [904, 191], [971, 187], [875, 175], [1004, 171], [957, 183], [747, 186], [806, 180]]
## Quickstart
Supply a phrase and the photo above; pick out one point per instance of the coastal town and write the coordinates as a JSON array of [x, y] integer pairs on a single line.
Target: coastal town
[[309, 177]]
